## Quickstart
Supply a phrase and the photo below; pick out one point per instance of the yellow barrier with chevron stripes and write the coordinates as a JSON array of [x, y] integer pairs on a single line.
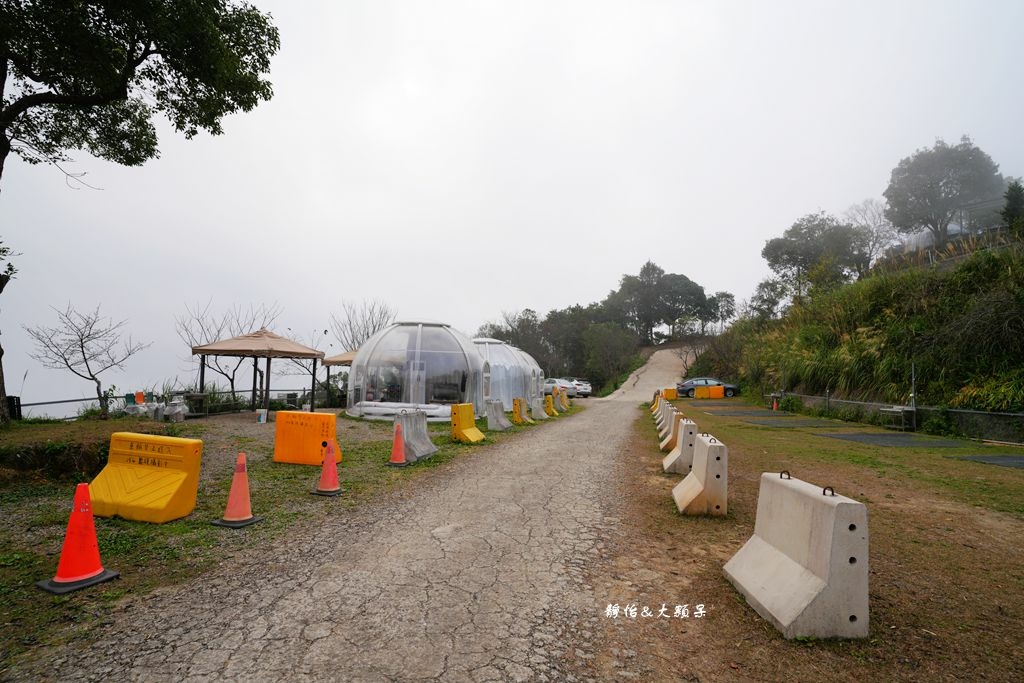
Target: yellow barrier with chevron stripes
[[148, 478]]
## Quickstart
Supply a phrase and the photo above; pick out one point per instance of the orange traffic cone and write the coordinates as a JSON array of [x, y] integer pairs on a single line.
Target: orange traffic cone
[[328, 485], [398, 448], [79, 564], [239, 510]]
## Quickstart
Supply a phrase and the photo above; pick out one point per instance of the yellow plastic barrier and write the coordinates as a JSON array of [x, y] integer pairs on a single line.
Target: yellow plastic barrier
[[563, 398], [464, 424], [670, 394], [520, 415], [716, 392], [148, 478], [299, 437], [549, 406], [702, 392]]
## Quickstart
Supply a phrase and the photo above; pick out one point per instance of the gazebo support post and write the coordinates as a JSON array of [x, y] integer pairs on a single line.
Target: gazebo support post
[[328, 385], [255, 371], [202, 374], [312, 390], [266, 392]]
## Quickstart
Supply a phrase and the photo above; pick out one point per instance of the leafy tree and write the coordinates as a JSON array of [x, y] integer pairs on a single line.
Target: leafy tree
[[928, 188], [653, 298], [563, 331], [816, 249], [767, 299], [1013, 210], [86, 344], [90, 75], [609, 349], [683, 300], [723, 307], [6, 275], [520, 329]]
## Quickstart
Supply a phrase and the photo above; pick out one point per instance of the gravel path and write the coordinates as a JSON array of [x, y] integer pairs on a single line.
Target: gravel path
[[476, 574]]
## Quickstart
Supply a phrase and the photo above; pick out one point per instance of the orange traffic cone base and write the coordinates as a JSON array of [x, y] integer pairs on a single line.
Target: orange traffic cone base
[[322, 492], [397, 464], [61, 587], [236, 523]]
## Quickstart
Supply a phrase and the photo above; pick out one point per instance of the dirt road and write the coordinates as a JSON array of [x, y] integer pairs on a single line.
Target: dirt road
[[477, 573]]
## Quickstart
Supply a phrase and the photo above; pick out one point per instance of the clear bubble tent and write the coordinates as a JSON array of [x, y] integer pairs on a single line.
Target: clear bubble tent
[[417, 366]]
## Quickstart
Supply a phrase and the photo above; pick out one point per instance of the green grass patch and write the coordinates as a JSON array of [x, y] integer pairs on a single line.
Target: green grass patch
[[929, 469]]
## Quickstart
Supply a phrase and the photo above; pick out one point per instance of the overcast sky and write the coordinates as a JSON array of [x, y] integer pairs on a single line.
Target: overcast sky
[[460, 159]]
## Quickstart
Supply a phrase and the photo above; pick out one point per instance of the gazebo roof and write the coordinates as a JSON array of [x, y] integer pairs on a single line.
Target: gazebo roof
[[341, 359], [260, 344]]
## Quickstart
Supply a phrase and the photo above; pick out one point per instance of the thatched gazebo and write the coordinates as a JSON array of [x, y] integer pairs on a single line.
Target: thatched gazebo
[[260, 344]]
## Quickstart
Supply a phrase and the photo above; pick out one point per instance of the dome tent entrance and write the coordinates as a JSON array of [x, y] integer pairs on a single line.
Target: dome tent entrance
[[417, 365]]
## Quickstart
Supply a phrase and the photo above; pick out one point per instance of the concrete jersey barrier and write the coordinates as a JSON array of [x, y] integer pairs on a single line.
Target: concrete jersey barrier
[[805, 569], [496, 420], [414, 433], [680, 458], [665, 428], [704, 491], [537, 410], [670, 441]]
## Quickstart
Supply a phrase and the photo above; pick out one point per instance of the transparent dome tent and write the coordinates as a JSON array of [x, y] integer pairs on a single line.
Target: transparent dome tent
[[512, 374], [417, 365]]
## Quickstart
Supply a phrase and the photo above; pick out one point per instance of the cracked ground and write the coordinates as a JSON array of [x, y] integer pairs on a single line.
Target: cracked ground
[[477, 573]]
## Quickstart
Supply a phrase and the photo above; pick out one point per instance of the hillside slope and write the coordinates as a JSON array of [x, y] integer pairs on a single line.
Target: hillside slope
[[962, 329]]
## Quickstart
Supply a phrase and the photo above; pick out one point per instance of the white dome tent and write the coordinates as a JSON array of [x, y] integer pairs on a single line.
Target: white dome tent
[[417, 365], [536, 386], [511, 374]]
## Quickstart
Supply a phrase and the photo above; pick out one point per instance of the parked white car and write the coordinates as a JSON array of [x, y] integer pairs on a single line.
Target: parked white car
[[565, 385], [582, 387]]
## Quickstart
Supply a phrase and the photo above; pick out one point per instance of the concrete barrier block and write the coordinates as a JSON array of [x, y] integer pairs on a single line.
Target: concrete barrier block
[[670, 441], [414, 432], [537, 410], [680, 458], [665, 427], [496, 420], [805, 569], [704, 491]]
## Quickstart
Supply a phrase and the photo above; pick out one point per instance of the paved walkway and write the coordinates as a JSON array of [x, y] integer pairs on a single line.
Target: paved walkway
[[476, 575]]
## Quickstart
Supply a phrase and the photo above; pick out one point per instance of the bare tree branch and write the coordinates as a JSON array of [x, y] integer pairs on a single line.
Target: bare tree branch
[[200, 326], [86, 344], [359, 322]]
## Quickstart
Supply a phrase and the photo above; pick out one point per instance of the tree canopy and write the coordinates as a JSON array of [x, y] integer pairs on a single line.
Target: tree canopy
[[91, 75], [1013, 209], [928, 188], [819, 250]]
